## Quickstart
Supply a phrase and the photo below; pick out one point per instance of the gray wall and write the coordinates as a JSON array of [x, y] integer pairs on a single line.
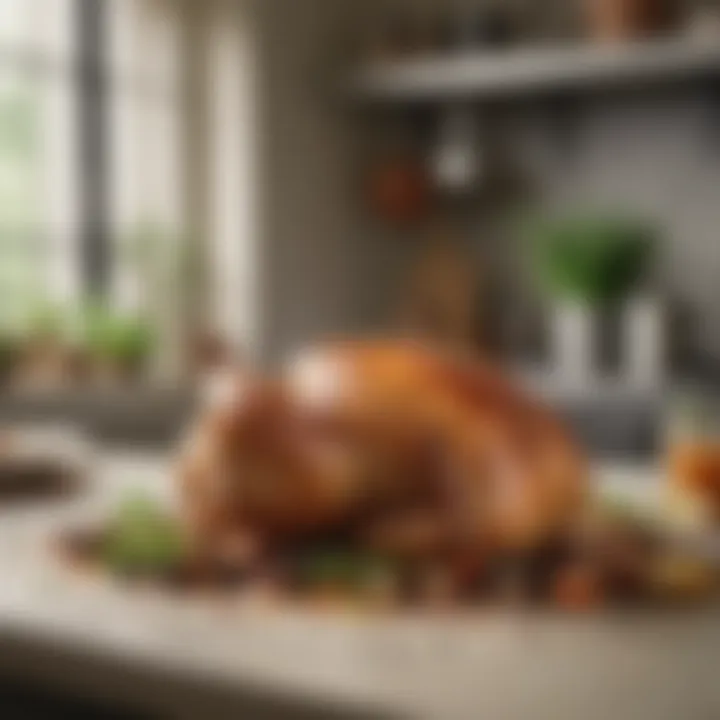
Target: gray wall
[[657, 154], [309, 243], [325, 270]]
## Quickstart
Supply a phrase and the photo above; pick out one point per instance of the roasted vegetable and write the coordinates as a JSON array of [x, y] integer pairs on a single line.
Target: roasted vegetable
[[344, 569], [579, 587], [143, 540], [678, 577]]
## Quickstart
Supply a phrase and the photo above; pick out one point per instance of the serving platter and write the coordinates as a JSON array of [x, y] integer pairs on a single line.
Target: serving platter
[[653, 552]]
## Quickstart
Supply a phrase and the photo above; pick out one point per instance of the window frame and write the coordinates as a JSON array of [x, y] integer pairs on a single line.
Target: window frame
[[93, 162]]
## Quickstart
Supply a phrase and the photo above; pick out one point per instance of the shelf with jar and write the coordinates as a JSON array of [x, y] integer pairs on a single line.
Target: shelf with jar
[[508, 50]]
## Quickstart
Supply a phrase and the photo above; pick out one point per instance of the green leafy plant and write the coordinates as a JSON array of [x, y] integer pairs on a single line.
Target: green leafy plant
[[143, 539], [595, 259], [46, 320], [121, 339]]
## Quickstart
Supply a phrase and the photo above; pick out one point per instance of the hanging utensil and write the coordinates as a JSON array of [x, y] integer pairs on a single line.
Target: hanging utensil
[[457, 161]]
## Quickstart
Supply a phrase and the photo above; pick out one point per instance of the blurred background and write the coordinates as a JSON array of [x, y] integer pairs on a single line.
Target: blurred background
[[189, 183], [185, 182]]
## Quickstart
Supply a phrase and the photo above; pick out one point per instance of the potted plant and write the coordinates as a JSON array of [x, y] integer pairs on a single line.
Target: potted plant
[[44, 353], [167, 267], [587, 264], [9, 351], [119, 345]]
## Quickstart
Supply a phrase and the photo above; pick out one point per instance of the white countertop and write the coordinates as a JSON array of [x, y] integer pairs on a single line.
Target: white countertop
[[488, 664]]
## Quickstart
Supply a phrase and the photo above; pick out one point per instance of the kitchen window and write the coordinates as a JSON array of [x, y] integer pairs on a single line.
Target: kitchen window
[[111, 192]]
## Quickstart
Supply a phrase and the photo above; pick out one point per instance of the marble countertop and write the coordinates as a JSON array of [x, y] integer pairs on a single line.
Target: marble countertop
[[179, 655]]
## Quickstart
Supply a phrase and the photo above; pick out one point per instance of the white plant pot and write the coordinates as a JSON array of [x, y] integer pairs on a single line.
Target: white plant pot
[[644, 342], [573, 344], [576, 344]]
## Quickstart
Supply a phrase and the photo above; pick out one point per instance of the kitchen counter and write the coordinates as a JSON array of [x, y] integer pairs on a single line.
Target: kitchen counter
[[213, 657]]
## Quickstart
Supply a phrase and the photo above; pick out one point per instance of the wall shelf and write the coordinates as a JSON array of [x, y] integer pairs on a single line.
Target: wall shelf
[[511, 74]]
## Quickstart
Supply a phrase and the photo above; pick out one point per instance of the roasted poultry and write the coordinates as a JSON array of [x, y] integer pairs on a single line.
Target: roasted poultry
[[389, 445], [386, 470]]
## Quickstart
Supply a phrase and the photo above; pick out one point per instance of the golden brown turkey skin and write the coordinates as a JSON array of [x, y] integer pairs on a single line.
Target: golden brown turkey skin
[[408, 450]]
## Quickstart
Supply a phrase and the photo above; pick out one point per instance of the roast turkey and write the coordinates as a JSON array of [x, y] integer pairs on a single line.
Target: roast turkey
[[389, 445]]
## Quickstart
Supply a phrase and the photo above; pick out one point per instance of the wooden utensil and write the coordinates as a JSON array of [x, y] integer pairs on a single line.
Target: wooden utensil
[[439, 302]]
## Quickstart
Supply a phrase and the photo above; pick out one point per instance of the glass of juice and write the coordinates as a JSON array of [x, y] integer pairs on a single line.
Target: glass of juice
[[693, 448]]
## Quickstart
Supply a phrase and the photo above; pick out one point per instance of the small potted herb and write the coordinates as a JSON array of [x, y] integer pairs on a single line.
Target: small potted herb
[[588, 265], [44, 355], [118, 345]]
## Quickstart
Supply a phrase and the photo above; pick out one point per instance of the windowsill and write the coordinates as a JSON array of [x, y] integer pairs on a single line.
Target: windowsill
[[154, 416], [139, 413]]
